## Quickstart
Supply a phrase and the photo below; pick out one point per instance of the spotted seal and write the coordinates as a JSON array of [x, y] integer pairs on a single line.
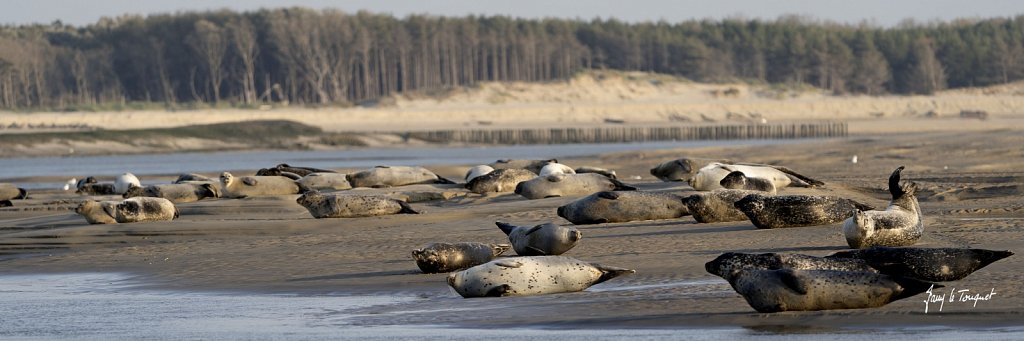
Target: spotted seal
[[131, 210], [725, 264], [351, 206], [926, 264], [392, 176], [448, 257], [771, 291], [617, 207], [682, 169], [710, 177], [558, 185], [90, 186], [531, 275], [177, 193], [899, 225], [500, 180], [716, 206], [254, 186], [772, 212], [476, 171], [318, 181], [541, 240], [737, 180]]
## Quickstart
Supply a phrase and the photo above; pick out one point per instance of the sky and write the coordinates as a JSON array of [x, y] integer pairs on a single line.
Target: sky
[[885, 13]]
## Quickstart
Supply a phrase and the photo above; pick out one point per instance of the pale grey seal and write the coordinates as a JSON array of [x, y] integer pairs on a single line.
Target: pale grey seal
[[926, 264], [899, 225], [318, 181], [617, 207], [391, 176], [710, 177], [531, 275], [771, 212], [559, 185], [555, 168], [500, 180], [253, 186], [476, 171], [351, 206], [771, 291], [124, 182], [737, 180], [541, 240], [716, 206], [448, 257]]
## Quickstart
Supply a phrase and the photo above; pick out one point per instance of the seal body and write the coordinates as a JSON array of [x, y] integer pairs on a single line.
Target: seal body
[[301, 171], [476, 171], [124, 182], [531, 165], [606, 172], [771, 212], [559, 185], [899, 225], [682, 169], [710, 177], [391, 176], [771, 291], [191, 177], [926, 264], [555, 168], [727, 263], [97, 212], [737, 180], [254, 186], [616, 207], [177, 193], [500, 180], [335, 181], [351, 206], [541, 240], [142, 209], [448, 257], [10, 192], [716, 206], [530, 275], [90, 186]]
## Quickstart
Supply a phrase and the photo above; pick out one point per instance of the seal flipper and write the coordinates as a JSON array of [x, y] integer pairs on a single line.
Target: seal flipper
[[894, 184], [6, 203], [444, 181], [498, 249], [498, 291], [22, 194], [508, 263], [249, 181], [619, 186], [608, 195], [861, 206], [912, 287], [797, 178], [505, 227], [533, 229], [406, 208], [536, 251], [290, 175], [609, 272], [793, 281]]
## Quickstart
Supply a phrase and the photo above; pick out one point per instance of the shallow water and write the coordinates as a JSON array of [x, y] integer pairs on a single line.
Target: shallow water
[[106, 306]]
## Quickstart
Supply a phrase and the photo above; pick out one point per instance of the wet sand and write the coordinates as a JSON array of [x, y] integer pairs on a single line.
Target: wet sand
[[971, 189]]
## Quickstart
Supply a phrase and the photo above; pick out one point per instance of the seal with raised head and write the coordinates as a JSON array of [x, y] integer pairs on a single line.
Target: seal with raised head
[[772, 212], [725, 264], [737, 180], [318, 181], [710, 177], [899, 225], [476, 171], [716, 206], [177, 193], [772, 291], [500, 180], [531, 275], [192, 177], [97, 212], [448, 257], [680, 169], [391, 176], [541, 240], [351, 206], [564, 185], [926, 264], [617, 207], [124, 182], [597, 170], [10, 192], [254, 186], [531, 165], [555, 168], [142, 209]]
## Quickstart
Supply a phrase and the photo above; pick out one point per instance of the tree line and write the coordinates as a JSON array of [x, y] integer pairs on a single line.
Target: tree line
[[303, 56]]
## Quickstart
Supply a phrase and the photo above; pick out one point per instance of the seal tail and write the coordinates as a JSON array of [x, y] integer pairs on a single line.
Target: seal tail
[[443, 181], [609, 272], [894, 184], [619, 186], [505, 227], [406, 208], [912, 287], [806, 181], [22, 194]]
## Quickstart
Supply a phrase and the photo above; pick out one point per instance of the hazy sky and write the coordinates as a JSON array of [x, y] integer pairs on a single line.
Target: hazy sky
[[880, 12]]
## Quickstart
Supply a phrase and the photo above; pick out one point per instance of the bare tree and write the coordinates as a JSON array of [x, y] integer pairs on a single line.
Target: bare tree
[[243, 38], [210, 44]]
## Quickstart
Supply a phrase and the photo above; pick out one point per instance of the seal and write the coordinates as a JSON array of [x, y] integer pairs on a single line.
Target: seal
[[710, 177], [541, 240], [192, 177], [90, 186], [277, 172], [124, 182], [559, 185], [716, 206], [772, 291], [729, 262], [737, 180], [606, 172], [476, 171], [500, 180], [351, 206], [899, 225], [530, 275], [142, 209], [391, 176], [617, 207], [531, 165], [177, 193], [555, 168], [926, 264], [448, 257], [97, 212], [10, 192], [680, 169], [772, 212], [301, 171], [318, 181], [254, 186]]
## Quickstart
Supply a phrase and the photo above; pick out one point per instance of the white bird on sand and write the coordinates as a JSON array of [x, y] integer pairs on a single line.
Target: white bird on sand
[[854, 159], [71, 183]]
